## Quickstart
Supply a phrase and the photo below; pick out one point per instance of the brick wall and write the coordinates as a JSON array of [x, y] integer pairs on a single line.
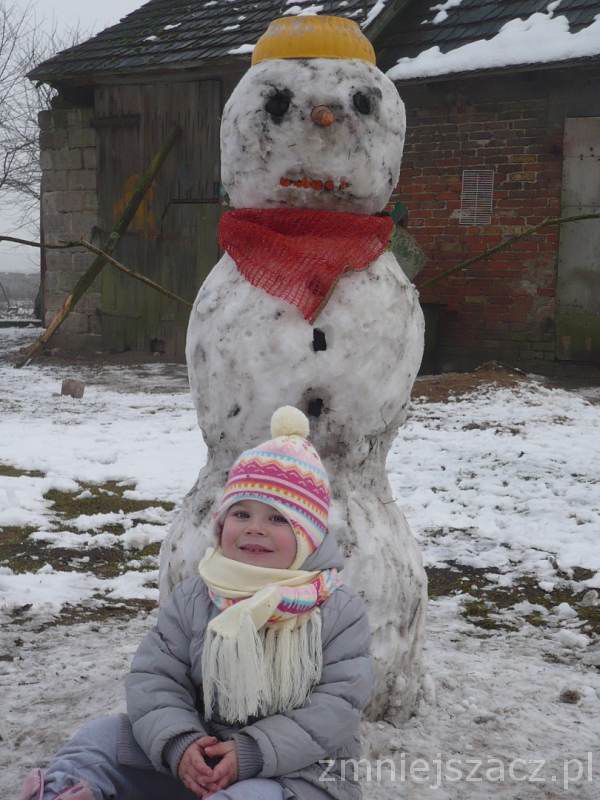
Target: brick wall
[[69, 211], [502, 308]]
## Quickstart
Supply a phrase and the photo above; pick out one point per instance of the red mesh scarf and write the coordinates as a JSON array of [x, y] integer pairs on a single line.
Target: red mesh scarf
[[298, 255]]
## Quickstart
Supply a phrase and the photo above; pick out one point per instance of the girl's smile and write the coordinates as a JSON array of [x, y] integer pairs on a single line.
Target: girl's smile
[[256, 533]]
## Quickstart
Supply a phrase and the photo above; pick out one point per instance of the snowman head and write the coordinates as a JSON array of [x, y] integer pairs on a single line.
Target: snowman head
[[313, 123]]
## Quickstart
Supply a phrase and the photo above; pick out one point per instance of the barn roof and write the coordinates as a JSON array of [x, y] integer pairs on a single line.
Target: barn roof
[[455, 36], [178, 34]]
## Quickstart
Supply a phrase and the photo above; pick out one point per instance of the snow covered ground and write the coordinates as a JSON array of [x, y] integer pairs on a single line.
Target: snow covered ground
[[501, 487]]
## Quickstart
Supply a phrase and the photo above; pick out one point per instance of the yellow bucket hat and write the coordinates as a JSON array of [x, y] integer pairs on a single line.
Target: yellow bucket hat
[[313, 37]]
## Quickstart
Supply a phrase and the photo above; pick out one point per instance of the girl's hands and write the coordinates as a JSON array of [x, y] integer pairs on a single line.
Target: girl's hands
[[226, 771], [193, 770]]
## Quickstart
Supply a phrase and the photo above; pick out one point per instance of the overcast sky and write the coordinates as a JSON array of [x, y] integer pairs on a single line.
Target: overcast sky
[[92, 16]]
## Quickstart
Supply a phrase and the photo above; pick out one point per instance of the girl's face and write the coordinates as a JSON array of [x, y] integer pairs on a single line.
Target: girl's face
[[256, 533]]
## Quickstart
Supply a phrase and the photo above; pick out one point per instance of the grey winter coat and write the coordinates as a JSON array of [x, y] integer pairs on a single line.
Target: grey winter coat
[[312, 751]]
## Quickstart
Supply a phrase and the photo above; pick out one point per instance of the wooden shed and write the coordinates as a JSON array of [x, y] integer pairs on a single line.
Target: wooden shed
[[171, 62], [494, 145]]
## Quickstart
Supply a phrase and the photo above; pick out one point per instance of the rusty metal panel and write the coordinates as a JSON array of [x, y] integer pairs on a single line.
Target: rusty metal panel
[[172, 239], [578, 284]]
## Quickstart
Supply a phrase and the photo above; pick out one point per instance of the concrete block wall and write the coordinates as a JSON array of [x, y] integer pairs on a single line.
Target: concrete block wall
[[69, 212]]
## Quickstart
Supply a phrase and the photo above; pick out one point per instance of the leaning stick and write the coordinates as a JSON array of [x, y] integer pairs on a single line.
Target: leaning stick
[[95, 267], [504, 245], [110, 260]]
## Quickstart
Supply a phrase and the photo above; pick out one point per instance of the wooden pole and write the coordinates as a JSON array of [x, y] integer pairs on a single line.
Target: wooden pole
[[89, 276], [504, 245], [137, 275], [110, 260]]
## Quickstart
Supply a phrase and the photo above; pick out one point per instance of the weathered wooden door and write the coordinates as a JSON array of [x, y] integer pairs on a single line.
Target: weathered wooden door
[[578, 288], [172, 239]]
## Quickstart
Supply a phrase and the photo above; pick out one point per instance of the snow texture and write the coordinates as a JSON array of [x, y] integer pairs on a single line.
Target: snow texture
[[500, 458], [242, 49], [248, 352], [303, 11], [103, 437], [374, 12], [363, 149], [442, 9], [540, 38], [363, 379]]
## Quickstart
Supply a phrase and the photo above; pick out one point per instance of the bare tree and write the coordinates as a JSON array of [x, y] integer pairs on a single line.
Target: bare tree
[[25, 41], [12, 32]]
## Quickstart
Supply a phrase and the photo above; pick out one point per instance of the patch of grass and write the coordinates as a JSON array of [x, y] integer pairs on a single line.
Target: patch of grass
[[149, 550], [108, 611], [13, 543], [455, 578], [482, 614], [498, 429], [591, 616], [23, 554], [490, 623], [488, 600], [106, 498], [582, 574], [536, 618], [8, 471], [475, 608], [527, 588]]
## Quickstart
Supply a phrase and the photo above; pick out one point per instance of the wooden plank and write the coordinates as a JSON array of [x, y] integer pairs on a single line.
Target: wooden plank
[[123, 121], [118, 229], [166, 237]]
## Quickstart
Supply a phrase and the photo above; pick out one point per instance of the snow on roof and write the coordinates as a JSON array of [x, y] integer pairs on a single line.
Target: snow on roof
[[181, 34], [442, 9], [299, 11], [374, 12], [539, 38]]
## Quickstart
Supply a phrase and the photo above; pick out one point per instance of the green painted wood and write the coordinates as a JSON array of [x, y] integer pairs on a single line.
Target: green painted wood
[[173, 238]]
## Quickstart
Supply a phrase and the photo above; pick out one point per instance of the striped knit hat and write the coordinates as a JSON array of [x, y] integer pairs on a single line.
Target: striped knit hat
[[287, 474]]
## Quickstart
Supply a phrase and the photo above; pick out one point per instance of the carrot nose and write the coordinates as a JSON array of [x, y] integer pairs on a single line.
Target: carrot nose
[[322, 115]]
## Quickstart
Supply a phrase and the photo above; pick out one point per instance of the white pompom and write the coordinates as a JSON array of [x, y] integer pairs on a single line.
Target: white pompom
[[289, 421]]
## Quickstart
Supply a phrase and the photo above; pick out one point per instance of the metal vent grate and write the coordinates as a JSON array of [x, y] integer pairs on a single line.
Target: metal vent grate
[[476, 197]]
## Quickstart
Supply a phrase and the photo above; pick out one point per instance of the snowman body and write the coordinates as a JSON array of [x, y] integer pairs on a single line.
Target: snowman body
[[351, 371]]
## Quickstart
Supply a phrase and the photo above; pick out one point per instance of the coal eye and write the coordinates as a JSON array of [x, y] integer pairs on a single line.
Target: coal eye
[[362, 103], [278, 104]]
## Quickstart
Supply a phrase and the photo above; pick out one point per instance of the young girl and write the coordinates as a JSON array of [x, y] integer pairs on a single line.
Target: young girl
[[251, 685]]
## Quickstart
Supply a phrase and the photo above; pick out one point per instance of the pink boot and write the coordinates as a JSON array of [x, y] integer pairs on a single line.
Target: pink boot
[[33, 789], [33, 786]]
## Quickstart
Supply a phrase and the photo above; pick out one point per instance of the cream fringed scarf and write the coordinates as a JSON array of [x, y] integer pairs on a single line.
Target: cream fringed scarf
[[263, 652]]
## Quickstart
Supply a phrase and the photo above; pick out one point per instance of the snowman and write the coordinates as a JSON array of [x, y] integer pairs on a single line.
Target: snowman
[[308, 307]]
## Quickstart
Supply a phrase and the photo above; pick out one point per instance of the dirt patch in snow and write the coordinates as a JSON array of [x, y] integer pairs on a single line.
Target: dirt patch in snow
[[101, 610], [439, 388], [8, 471], [491, 606], [100, 499]]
